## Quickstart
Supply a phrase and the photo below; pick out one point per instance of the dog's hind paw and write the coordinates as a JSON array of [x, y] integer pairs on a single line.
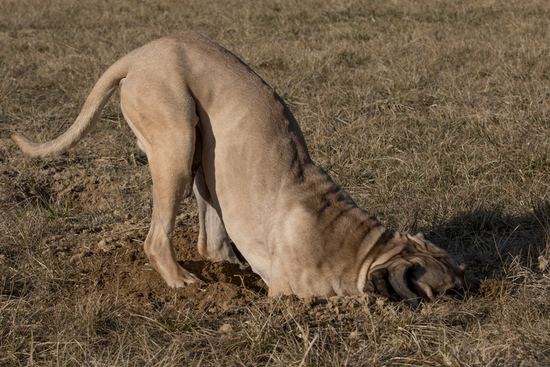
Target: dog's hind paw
[[183, 279]]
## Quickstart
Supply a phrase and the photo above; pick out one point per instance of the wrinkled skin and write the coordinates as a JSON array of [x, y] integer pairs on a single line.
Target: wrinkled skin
[[420, 272]]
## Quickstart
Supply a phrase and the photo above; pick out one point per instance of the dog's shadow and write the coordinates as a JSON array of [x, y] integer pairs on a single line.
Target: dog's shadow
[[491, 242]]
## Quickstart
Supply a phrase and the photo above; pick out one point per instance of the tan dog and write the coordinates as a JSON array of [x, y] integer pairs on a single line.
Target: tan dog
[[201, 115]]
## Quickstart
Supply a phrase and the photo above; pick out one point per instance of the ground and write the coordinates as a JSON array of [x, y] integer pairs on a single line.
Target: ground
[[433, 115]]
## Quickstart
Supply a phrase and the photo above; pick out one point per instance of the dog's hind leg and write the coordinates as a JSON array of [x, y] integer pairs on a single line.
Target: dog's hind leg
[[171, 171], [213, 240], [165, 123]]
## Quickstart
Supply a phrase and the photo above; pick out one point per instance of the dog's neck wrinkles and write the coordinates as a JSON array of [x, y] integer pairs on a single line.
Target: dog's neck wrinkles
[[344, 236]]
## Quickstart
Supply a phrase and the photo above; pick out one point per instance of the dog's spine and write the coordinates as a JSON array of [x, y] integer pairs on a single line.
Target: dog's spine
[[86, 120]]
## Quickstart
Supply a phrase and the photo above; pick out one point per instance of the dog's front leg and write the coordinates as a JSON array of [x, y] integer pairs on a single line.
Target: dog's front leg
[[213, 240]]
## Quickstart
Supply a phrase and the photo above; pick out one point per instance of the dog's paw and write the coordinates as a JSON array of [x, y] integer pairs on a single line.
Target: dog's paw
[[184, 279]]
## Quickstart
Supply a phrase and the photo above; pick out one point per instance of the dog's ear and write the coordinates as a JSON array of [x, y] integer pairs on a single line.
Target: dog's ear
[[420, 236], [399, 277], [378, 282], [393, 281]]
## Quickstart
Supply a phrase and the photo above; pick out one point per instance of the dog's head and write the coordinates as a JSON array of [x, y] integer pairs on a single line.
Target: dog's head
[[419, 271]]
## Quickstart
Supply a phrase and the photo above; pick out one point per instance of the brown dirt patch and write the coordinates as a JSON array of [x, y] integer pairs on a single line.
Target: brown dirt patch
[[119, 269]]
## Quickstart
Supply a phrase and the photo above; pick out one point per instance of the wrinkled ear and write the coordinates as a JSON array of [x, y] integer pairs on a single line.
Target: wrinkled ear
[[392, 282], [378, 282], [398, 278], [420, 236]]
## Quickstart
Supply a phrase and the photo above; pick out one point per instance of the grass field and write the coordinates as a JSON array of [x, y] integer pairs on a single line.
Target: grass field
[[433, 114]]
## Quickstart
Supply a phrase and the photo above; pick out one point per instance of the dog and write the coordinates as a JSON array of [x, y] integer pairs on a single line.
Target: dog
[[210, 125]]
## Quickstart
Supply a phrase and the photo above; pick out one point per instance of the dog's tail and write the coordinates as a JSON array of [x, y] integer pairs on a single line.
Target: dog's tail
[[86, 120]]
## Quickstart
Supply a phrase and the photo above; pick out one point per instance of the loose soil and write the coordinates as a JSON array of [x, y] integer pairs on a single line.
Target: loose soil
[[119, 269]]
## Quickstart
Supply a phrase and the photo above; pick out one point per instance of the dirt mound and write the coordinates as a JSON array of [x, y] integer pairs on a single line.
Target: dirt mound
[[120, 271]]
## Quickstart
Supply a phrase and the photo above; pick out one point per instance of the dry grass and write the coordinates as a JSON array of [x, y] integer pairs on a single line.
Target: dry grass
[[434, 115]]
